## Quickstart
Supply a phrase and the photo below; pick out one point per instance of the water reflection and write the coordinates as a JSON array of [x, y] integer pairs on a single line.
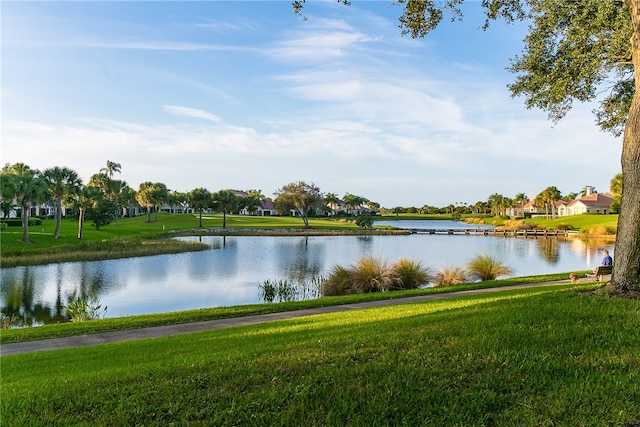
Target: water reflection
[[549, 249], [231, 271]]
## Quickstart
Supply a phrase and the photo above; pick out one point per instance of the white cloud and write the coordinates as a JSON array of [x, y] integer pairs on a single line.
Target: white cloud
[[191, 112]]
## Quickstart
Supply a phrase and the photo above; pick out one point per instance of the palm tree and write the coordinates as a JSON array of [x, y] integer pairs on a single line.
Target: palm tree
[[548, 198], [226, 201], [115, 189], [144, 197], [331, 201], [200, 198], [63, 183], [84, 200], [111, 168], [28, 188], [520, 199]]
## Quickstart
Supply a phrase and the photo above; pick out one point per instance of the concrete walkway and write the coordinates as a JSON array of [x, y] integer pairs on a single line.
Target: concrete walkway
[[210, 325]]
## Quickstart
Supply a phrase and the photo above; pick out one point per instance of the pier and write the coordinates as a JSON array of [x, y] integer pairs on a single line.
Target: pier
[[489, 232]]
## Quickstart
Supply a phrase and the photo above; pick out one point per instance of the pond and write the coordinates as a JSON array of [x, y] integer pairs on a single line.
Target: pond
[[232, 270]]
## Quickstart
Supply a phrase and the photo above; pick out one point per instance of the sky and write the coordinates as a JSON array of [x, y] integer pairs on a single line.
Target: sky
[[247, 95]]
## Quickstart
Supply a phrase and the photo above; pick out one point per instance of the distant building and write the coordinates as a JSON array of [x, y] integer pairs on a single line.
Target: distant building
[[593, 203]]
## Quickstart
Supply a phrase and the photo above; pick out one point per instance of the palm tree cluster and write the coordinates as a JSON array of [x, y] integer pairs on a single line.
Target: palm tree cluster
[[63, 188]]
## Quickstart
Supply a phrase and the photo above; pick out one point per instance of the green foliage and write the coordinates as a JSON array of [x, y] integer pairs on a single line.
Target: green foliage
[[302, 197], [365, 220], [287, 290], [84, 308], [486, 267]]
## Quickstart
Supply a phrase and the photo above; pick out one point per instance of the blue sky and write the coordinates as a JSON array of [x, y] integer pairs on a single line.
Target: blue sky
[[246, 95]]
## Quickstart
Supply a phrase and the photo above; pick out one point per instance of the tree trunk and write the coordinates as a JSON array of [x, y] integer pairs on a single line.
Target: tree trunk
[[56, 232], [26, 210], [626, 266], [80, 222]]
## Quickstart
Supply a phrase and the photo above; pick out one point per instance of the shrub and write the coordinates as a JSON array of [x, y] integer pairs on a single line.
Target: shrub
[[85, 308], [486, 267], [410, 274], [370, 274], [450, 276], [338, 282]]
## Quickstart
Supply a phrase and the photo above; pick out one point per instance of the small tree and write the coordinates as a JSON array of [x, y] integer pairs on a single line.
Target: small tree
[[365, 220], [200, 199], [302, 197], [225, 201]]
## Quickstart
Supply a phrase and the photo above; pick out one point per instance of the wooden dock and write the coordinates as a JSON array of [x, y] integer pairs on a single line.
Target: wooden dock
[[488, 232]]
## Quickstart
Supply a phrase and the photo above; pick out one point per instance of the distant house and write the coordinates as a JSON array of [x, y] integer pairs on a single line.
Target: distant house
[[531, 208], [593, 203], [265, 208]]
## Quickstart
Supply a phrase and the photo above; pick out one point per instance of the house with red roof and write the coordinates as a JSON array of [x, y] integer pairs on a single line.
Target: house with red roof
[[597, 203]]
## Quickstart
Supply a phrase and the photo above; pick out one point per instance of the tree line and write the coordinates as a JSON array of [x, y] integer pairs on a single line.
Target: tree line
[[104, 199]]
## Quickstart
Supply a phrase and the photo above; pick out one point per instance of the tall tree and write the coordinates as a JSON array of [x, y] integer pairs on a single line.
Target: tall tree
[[160, 194], [519, 200], [300, 196], [548, 198], [28, 188], [144, 197], [111, 168], [200, 199], [576, 50], [226, 202], [63, 183]]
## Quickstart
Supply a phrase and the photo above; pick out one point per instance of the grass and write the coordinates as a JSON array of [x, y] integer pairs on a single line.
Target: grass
[[189, 316], [541, 356], [133, 237]]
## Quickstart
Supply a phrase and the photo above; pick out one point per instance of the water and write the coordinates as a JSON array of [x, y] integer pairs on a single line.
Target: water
[[230, 273]]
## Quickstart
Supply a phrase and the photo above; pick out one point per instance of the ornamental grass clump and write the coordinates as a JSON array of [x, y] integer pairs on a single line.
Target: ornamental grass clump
[[371, 274], [450, 276], [411, 274], [486, 267]]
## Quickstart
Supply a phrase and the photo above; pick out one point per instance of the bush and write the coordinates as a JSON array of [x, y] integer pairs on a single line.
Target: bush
[[17, 222], [486, 267]]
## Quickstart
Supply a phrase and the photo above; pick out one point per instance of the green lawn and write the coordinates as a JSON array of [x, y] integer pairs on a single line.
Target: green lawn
[[541, 356], [142, 321], [133, 237]]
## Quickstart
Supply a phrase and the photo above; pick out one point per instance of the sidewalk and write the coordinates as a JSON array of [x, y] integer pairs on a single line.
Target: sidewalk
[[210, 325]]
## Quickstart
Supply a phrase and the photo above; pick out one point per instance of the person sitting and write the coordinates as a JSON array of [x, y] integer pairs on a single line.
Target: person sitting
[[607, 261]]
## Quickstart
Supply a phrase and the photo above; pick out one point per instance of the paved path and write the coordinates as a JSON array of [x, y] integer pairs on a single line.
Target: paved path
[[186, 328]]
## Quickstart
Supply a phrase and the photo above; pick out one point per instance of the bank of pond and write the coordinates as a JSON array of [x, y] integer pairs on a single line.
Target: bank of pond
[[234, 270]]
